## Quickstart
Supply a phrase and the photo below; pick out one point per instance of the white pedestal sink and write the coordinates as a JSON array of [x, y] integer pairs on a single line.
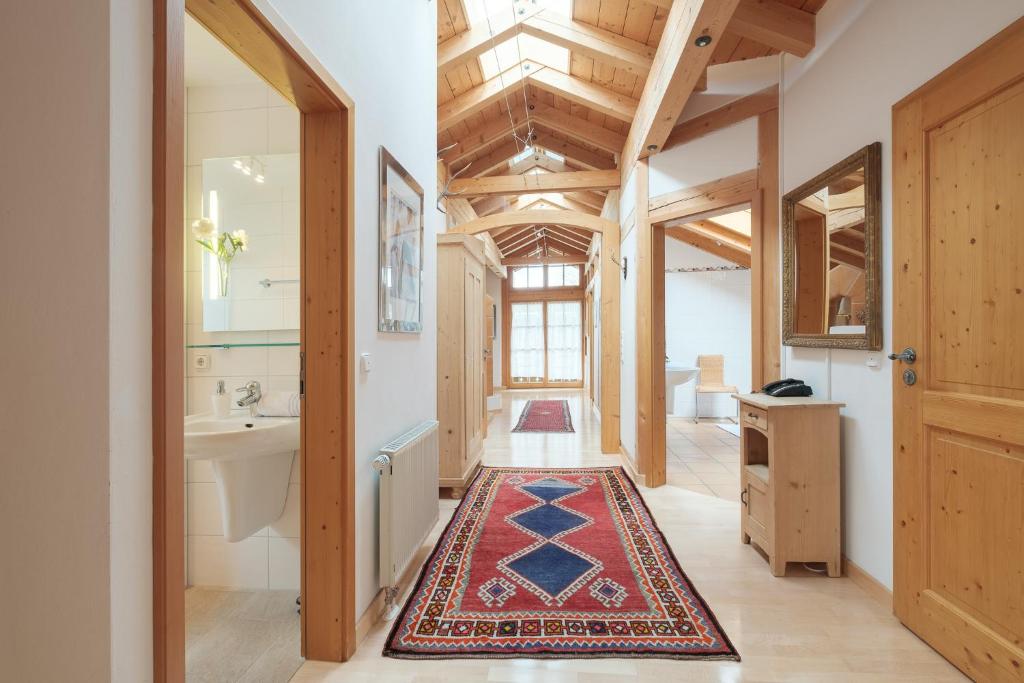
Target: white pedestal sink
[[677, 375], [252, 461]]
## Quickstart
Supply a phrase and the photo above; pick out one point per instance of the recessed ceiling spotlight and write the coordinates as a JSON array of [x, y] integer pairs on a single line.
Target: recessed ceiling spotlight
[[651, 148], [702, 41]]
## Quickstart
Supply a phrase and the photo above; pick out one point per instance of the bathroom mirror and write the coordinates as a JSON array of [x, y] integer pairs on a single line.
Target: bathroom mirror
[[831, 257], [251, 251]]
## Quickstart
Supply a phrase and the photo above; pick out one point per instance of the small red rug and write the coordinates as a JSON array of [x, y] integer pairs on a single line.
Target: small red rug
[[561, 563], [545, 416]]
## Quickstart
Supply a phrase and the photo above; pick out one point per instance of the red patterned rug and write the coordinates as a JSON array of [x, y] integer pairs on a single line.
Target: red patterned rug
[[561, 563], [545, 416]]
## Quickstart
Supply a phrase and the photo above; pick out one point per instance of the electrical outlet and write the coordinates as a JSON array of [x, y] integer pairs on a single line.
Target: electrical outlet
[[201, 361]]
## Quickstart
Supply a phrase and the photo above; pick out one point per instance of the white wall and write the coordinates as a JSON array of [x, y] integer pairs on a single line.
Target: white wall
[[722, 153], [383, 54], [831, 107], [75, 476], [707, 313]]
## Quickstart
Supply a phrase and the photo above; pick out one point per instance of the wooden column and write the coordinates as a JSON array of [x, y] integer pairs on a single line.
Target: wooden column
[[610, 338], [650, 337], [766, 244], [168, 341]]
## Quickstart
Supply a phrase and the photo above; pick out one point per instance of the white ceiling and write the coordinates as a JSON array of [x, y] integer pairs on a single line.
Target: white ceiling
[[208, 62]]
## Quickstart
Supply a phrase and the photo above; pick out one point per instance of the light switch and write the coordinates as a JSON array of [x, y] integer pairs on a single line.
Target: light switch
[[874, 361], [365, 362]]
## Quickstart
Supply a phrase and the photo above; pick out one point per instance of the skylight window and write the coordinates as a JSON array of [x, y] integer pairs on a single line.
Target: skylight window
[[519, 157], [509, 53]]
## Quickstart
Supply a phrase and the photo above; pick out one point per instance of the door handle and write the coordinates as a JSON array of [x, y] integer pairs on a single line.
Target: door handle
[[907, 355], [743, 496]]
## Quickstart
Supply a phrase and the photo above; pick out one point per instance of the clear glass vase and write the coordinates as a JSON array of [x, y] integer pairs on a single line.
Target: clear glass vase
[[224, 270]]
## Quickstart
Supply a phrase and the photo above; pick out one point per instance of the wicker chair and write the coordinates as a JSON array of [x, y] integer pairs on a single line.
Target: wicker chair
[[711, 381]]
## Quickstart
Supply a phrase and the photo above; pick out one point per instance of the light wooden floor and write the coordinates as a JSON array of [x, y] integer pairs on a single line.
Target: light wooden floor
[[801, 629], [237, 636]]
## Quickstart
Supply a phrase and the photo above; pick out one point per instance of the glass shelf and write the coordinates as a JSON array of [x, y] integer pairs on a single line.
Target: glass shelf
[[239, 346]]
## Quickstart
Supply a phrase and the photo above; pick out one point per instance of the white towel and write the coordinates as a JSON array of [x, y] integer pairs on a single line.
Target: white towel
[[278, 404]]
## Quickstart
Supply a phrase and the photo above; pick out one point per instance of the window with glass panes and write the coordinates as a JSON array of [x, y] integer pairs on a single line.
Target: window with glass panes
[[541, 277]]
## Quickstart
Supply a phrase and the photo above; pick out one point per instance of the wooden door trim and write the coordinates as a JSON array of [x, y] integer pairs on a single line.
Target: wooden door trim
[[990, 68], [327, 215], [758, 188]]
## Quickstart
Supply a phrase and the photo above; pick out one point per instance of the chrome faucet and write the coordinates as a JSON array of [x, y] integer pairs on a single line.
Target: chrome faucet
[[252, 396]]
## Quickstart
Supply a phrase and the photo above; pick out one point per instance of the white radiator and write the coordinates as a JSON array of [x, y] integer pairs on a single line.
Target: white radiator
[[408, 468]]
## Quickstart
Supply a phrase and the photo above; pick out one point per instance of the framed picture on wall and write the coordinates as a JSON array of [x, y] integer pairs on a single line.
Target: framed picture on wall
[[401, 249]]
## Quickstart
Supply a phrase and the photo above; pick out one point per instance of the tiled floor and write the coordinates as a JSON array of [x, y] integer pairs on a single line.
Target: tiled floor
[[238, 636], [802, 628], [702, 458]]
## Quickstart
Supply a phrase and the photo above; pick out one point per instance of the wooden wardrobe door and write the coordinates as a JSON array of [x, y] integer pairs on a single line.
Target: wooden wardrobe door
[[474, 375], [958, 179]]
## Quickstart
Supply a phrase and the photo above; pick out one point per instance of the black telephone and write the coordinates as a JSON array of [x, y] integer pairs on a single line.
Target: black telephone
[[787, 387]]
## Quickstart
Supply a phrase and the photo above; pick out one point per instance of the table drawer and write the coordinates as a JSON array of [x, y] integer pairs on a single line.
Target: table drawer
[[752, 415]]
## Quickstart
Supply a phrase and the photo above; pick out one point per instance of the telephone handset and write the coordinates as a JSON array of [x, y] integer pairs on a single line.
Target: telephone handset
[[787, 387]]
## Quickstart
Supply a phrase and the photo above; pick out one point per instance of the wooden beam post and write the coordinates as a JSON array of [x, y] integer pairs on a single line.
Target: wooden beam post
[[679, 64], [650, 337], [610, 337], [766, 278]]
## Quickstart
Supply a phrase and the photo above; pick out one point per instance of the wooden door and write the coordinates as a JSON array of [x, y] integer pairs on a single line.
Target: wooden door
[[488, 345], [958, 258], [475, 404]]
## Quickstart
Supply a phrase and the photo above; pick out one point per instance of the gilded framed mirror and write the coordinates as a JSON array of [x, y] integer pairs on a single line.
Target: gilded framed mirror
[[831, 256]]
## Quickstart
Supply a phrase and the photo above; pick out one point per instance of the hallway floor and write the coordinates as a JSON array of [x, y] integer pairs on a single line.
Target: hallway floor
[[802, 628]]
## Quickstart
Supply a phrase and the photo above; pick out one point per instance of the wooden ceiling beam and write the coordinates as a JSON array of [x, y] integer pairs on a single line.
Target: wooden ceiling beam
[[702, 241], [723, 117], [549, 260], [570, 237], [678, 65], [475, 100], [468, 45], [721, 233], [585, 93], [493, 130], [776, 25], [516, 218], [578, 128], [535, 183], [572, 152], [498, 158], [590, 41]]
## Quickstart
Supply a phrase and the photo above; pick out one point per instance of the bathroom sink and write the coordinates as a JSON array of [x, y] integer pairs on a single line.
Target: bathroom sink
[[252, 463], [237, 437], [677, 375]]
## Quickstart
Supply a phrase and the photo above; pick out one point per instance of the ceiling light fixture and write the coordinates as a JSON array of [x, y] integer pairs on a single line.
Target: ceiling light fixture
[[703, 40]]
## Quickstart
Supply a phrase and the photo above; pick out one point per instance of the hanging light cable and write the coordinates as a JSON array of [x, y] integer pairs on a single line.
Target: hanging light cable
[[501, 77], [522, 82]]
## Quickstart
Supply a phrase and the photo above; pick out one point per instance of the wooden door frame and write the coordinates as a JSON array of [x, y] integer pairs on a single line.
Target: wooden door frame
[[760, 189], [257, 37], [990, 68]]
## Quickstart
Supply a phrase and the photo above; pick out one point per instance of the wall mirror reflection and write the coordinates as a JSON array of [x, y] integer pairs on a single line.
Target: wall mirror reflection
[[249, 236], [831, 256]]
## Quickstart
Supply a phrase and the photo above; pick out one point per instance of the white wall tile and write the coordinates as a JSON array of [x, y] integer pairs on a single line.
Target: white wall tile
[[285, 566], [228, 97], [216, 134], [199, 471], [215, 562], [283, 130], [283, 360]]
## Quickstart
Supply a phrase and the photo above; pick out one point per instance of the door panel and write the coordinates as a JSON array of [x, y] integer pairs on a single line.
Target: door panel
[[958, 253]]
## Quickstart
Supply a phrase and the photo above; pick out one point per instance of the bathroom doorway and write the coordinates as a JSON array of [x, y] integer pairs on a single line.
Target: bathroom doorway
[[243, 359], [273, 157], [708, 304]]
